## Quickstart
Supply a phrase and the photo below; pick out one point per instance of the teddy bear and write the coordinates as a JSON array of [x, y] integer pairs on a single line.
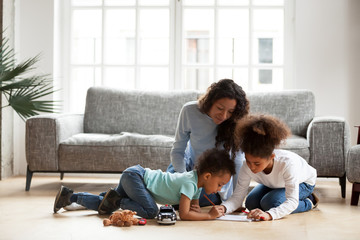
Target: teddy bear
[[121, 219]]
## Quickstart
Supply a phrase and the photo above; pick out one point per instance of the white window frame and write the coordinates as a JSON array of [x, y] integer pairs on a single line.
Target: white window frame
[[175, 46]]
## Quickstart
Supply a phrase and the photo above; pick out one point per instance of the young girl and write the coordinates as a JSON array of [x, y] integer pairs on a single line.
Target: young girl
[[286, 181], [207, 123], [140, 189]]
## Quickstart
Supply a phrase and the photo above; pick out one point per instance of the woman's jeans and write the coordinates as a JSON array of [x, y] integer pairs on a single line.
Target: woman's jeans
[[133, 192], [264, 198]]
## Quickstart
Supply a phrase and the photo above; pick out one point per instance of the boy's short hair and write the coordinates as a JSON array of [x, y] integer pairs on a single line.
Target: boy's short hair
[[216, 162]]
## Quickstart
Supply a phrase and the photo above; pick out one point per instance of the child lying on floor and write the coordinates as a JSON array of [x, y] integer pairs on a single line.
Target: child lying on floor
[[141, 188]]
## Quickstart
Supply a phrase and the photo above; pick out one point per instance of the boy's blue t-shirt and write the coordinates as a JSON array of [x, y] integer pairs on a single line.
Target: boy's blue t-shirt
[[166, 187]]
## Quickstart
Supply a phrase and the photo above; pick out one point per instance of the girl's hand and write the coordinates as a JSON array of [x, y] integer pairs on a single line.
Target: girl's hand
[[259, 214], [195, 208], [216, 211]]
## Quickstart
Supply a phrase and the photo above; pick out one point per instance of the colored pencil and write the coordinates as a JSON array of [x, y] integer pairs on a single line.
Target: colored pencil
[[209, 200]]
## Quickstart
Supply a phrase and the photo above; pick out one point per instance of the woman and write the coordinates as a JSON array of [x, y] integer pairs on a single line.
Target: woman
[[206, 123]]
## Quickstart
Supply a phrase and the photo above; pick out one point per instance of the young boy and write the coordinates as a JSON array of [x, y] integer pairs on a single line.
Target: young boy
[[141, 188]]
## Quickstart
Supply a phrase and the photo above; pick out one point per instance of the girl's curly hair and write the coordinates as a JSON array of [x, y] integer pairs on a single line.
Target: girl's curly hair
[[259, 135], [225, 88]]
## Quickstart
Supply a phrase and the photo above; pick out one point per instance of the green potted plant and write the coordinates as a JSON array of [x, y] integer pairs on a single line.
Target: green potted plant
[[22, 89]]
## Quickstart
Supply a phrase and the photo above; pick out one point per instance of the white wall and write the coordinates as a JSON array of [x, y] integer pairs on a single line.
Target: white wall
[[33, 35], [7, 157], [354, 65], [327, 48], [321, 63], [325, 61]]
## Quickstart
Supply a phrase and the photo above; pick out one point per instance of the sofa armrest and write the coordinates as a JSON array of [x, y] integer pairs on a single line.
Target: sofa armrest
[[43, 135], [353, 164], [329, 141]]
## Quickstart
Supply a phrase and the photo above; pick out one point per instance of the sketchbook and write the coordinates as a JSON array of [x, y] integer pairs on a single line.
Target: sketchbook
[[232, 217]]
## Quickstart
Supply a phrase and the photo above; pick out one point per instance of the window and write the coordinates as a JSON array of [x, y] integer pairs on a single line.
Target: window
[[171, 44]]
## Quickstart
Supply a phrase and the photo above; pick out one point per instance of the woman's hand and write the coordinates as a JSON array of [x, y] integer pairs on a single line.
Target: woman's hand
[[259, 215]]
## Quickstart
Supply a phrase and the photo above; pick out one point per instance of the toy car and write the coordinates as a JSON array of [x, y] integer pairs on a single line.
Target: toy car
[[166, 215], [142, 221]]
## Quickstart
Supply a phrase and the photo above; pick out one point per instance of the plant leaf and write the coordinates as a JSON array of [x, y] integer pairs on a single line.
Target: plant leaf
[[23, 90]]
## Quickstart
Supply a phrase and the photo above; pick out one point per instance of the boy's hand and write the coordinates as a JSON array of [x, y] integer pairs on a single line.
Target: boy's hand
[[195, 208], [216, 211], [259, 214]]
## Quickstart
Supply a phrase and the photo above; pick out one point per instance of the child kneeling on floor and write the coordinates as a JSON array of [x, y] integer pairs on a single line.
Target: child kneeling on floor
[[286, 180], [141, 188]]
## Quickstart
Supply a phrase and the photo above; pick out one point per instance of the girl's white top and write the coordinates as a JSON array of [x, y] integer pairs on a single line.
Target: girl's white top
[[289, 170]]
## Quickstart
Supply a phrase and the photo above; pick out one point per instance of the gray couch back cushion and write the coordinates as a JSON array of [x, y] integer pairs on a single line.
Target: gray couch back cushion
[[295, 107], [113, 110]]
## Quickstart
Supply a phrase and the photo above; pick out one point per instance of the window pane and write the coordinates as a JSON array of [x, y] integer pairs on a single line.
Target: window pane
[[120, 2], [154, 78], [154, 2], [119, 77], [82, 78], [233, 45], [267, 79], [154, 36], [265, 76], [265, 50], [239, 75], [233, 2], [126, 41], [119, 47], [197, 78], [198, 3], [269, 25], [86, 37], [268, 2], [198, 36]]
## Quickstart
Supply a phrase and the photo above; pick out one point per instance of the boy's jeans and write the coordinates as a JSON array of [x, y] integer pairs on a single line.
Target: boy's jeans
[[133, 191]]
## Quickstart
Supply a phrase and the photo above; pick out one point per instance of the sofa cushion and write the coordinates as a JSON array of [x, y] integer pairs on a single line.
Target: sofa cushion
[[114, 110], [114, 152], [295, 107], [297, 145], [124, 138]]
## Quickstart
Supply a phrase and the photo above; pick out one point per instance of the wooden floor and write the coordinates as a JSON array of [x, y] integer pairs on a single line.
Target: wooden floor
[[29, 215]]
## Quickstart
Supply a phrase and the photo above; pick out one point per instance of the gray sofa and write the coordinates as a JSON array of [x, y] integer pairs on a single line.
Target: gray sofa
[[353, 171], [120, 128]]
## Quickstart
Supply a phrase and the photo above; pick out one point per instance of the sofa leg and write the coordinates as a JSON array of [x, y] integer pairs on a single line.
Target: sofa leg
[[61, 176], [355, 194], [342, 182], [29, 175]]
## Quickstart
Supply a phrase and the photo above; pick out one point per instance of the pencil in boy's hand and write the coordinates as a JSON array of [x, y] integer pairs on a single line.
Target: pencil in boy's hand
[[209, 200]]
